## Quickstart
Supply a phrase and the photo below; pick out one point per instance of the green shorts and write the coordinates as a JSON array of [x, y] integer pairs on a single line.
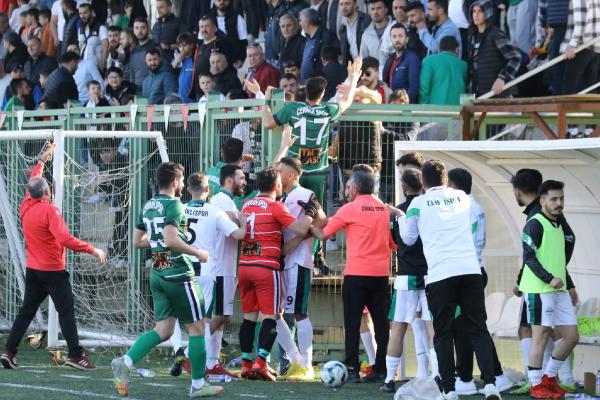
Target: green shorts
[[176, 297]]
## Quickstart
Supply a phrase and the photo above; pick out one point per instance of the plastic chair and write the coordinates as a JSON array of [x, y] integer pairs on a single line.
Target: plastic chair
[[508, 324], [590, 308], [493, 307]]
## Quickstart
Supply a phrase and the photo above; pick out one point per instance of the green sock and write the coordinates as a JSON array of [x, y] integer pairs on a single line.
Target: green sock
[[143, 345], [197, 353]]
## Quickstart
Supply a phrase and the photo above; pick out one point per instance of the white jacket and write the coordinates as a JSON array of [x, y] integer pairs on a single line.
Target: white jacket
[[372, 46]]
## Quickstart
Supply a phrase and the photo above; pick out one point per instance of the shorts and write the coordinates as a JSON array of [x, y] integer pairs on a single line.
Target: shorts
[[180, 298], [406, 304], [550, 309], [260, 290], [295, 285], [218, 294], [523, 321]]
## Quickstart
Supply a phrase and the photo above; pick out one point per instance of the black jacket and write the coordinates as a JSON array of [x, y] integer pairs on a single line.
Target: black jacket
[[227, 80], [274, 14], [323, 37], [118, 94], [61, 87], [166, 31], [232, 34], [18, 57], [335, 74], [292, 49], [363, 22], [69, 33], [33, 68], [410, 260], [202, 58]]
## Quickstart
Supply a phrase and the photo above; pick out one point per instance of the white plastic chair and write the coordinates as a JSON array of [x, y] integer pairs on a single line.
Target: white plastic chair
[[508, 324], [590, 308], [493, 307]]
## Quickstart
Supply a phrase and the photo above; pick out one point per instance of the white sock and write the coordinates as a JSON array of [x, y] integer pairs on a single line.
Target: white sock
[[176, 337], [553, 367], [285, 339], [207, 342], [433, 361], [212, 356], [525, 348], [198, 383], [391, 365], [304, 330], [187, 352], [565, 374], [128, 361], [535, 376], [368, 340], [547, 353], [419, 328]]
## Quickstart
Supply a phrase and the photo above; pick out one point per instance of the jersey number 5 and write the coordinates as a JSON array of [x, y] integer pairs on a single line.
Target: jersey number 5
[[192, 222], [317, 121]]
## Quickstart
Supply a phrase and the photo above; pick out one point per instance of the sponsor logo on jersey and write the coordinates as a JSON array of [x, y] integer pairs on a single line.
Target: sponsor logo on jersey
[[256, 202], [310, 156], [153, 204], [196, 213], [312, 111]]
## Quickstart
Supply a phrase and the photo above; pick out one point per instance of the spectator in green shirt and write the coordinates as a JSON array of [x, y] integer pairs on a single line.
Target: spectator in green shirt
[[443, 75], [20, 89]]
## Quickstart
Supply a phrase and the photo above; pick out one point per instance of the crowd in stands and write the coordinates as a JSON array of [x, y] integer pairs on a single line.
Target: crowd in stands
[[435, 50]]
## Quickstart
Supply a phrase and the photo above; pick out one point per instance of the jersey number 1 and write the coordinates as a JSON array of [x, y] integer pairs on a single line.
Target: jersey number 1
[[317, 121]]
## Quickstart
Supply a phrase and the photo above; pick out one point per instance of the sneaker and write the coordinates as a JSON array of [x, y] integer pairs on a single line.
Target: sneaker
[[491, 392], [187, 367], [465, 388], [207, 390], [542, 392], [373, 377], [310, 373], [82, 363], [246, 369], [353, 376], [121, 374], [178, 362], [9, 360], [261, 373], [295, 372], [503, 383], [567, 387], [552, 384], [451, 396], [523, 389], [366, 369], [388, 387], [219, 370]]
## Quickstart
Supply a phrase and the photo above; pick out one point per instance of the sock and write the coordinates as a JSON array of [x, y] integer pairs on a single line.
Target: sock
[[187, 352], [285, 339], [266, 338], [547, 352], [391, 365], [197, 356], [176, 337], [420, 349], [433, 361], [305, 341], [213, 348], [553, 367], [247, 338], [565, 373], [368, 340], [525, 347], [198, 383], [128, 361], [208, 345], [143, 345], [535, 376]]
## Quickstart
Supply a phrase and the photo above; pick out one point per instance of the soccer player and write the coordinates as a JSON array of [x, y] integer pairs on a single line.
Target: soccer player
[[46, 238], [175, 292], [231, 153], [547, 249], [259, 270]]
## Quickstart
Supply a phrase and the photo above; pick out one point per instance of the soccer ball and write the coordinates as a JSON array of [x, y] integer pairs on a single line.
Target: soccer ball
[[334, 374]]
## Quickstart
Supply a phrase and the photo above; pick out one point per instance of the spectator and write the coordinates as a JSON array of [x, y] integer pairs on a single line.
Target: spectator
[[288, 82], [318, 36], [92, 36], [38, 62], [112, 50], [138, 11], [373, 44], [57, 23], [292, 67], [119, 16], [138, 67], [70, 32], [184, 63], [402, 68], [127, 42], [333, 71], [225, 77], [258, 69], [255, 14], [234, 27], [18, 73], [4, 80], [23, 6], [293, 41], [334, 17], [456, 13], [521, 18], [192, 11], [61, 86], [443, 75], [48, 44], [415, 12], [493, 61], [443, 26], [167, 28], [554, 15], [581, 70], [86, 71], [273, 37], [321, 6], [16, 52], [22, 31], [161, 80], [207, 85], [117, 87], [32, 23], [370, 78], [95, 96], [20, 89], [399, 12], [354, 24], [4, 30]]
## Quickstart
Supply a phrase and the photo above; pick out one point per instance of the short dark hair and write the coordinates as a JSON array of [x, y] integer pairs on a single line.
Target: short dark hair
[[153, 50], [266, 179], [167, 172], [194, 182], [232, 150], [289, 62], [168, 2], [363, 181], [311, 15], [34, 12], [443, 4], [228, 171], [116, 70], [412, 178], [370, 62], [294, 163], [114, 28], [15, 84], [414, 5], [434, 172], [300, 94], [399, 25], [185, 38], [288, 77], [86, 4], [330, 53], [208, 17], [45, 13], [549, 185], [92, 82], [237, 94], [206, 74], [377, 1], [70, 56], [412, 158], [461, 178], [141, 19], [315, 87], [364, 168], [448, 43], [527, 180]]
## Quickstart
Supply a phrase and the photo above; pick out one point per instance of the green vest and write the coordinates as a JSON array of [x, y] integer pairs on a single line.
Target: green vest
[[551, 254]]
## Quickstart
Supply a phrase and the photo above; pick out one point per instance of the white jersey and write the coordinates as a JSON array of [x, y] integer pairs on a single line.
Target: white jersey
[[206, 223], [442, 218], [224, 262], [478, 228], [302, 255]]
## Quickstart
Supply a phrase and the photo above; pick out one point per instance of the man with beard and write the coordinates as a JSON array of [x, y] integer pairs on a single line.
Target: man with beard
[[93, 36], [167, 28], [114, 41], [161, 81], [443, 26], [138, 67], [415, 12], [373, 43], [402, 68]]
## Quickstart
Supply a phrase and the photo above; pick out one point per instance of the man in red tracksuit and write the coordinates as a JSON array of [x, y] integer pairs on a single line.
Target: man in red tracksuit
[[46, 238]]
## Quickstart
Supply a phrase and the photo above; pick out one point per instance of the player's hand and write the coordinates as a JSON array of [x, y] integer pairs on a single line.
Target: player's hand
[[396, 212], [48, 153], [310, 210], [252, 86], [287, 140], [556, 283], [574, 296], [570, 53], [517, 292], [498, 86], [355, 69], [201, 255], [269, 92], [100, 255], [241, 217]]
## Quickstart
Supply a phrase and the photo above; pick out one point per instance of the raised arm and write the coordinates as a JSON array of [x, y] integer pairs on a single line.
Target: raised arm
[[267, 120], [287, 140], [354, 73]]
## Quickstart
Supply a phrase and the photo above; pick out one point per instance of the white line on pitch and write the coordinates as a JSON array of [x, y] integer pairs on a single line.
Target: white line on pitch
[[254, 396], [64, 391], [158, 384], [75, 376]]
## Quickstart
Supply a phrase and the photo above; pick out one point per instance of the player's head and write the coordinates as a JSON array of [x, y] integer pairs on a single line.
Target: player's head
[[38, 187], [232, 150], [233, 179], [461, 179], [434, 174], [170, 177], [268, 181], [315, 89], [526, 184], [412, 182], [197, 186], [360, 182], [412, 159], [552, 198], [290, 170]]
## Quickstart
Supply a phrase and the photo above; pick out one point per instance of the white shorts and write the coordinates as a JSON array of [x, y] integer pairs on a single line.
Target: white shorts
[[550, 309], [406, 304], [295, 288], [218, 294]]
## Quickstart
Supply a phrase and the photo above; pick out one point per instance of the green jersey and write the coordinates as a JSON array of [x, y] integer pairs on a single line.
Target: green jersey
[[159, 211], [311, 127], [213, 174]]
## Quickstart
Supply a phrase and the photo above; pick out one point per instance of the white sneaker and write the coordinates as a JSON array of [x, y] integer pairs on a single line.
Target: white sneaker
[[465, 388], [451, 396], [491, 392], [503, 383]]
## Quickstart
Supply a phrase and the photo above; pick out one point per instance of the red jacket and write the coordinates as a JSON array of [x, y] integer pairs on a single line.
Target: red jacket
[[266, 75], [46, 235]]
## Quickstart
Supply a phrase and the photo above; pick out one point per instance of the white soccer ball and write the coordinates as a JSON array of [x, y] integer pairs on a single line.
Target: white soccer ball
[[334, 374]]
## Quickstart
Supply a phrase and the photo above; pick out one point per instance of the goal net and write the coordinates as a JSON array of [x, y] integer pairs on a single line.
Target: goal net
[[99, 179]]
